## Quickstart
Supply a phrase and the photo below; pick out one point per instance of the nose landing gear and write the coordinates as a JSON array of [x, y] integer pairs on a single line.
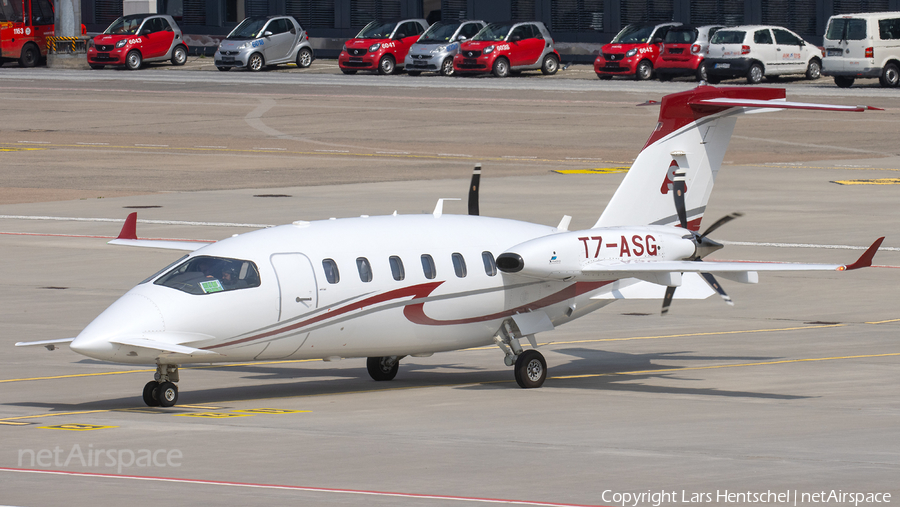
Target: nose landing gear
[[162, 391]]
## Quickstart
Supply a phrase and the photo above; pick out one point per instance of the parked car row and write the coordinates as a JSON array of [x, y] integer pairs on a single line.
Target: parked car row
[[460, 47], [856, 45]]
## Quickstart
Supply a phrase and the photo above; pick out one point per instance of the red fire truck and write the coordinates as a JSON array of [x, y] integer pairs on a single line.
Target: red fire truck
[[24, 28]]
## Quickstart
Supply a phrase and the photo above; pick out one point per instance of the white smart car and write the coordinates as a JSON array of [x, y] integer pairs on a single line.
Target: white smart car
[[761, 51]]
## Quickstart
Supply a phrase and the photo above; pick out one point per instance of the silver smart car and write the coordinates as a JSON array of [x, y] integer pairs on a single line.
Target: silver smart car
[[259, 41], [435, 49]]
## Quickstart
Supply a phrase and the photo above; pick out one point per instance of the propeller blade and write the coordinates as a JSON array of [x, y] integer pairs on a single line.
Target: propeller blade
[[711, 280], [667, 300], [473, 190], [678, 189], [722, 221]]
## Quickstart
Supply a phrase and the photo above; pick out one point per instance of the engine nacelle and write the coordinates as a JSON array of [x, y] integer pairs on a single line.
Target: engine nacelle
[[564, 256]]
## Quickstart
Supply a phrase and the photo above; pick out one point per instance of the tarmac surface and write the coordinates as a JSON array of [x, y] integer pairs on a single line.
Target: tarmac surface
[[791, 391]]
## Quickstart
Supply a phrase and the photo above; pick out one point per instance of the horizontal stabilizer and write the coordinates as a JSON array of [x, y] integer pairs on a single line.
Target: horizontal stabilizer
[[49, 344], [781, 104], [163, 346], [128, 237]]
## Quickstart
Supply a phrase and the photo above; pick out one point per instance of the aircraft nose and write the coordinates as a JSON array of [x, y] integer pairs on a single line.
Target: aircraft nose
[[130, 315]]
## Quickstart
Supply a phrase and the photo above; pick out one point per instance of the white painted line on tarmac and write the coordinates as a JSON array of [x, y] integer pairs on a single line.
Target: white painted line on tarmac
[[390, 152], [272, 149], [217, 147], [153, 145], [333, 151], [142, 221], [94, 144], [35, 142], [515, 156], [453, 155]]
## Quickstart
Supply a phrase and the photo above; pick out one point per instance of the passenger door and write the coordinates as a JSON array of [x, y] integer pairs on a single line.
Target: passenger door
[[764, 51], [280, 43], [790, 52], [297, 289]]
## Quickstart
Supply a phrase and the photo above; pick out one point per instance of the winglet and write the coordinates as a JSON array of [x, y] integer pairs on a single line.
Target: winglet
[[129, 230], [865, 260]]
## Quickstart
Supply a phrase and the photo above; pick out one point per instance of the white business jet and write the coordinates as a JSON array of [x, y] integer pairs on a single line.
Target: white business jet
[[388, 287]]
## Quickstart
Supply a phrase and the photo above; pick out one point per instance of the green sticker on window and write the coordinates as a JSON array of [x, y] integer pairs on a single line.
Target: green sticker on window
[[211, 286]]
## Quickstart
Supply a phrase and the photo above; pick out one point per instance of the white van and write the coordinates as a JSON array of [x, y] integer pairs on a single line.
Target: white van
[[757, 51], [863, 45]]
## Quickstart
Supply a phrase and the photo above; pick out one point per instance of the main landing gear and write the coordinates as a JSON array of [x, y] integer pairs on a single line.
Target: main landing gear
[[162, 391], [383, 368], [529, 366]]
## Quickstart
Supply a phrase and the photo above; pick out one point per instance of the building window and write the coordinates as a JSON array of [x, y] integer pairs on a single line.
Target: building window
[[363, 11], [428, 267], [796, 15], [311, 13], [365, 270], [646, 11], [331, 271], [107, 11], [397, 270], [522, 10], [490, 267], [576, 15], [454, 10]]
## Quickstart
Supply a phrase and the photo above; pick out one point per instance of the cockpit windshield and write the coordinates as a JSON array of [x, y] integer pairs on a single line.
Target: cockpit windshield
[[126, 25], [205, 275]]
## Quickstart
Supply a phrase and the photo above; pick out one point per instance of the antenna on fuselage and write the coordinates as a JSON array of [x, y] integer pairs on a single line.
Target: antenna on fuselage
[[473, 190]]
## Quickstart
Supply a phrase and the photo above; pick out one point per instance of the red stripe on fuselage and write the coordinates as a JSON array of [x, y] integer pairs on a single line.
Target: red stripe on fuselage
[[415, 313]]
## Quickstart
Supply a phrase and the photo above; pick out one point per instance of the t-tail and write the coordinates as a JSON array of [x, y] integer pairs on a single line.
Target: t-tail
[[691, 136]]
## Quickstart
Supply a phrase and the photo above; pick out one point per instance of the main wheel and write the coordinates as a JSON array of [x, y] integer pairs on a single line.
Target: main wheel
[[814, 69], [133, 60], [890, 76], [97, 67], [380, 368], [179, 56], [501, 67], [150, 393], [550, 65], [304, 58], [447, 66], [30, 56], [644, 70], [530, 369], [255, 63], [167, 394], [843, 81], [755, 74], [386, 65]]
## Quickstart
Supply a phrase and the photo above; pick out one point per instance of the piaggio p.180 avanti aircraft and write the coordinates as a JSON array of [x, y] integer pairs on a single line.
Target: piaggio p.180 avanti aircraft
[[387, 287]]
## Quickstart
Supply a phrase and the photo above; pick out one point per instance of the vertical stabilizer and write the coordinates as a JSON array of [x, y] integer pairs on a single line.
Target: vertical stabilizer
[[691, 136]]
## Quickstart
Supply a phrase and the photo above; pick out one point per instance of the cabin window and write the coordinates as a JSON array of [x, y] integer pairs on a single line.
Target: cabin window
[[428, 267], [365, 269], [205, 275], [459, 265], [490, 267], [331, 271], [397, 268]]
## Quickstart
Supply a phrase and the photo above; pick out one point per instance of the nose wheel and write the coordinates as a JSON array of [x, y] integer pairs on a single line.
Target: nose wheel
[[162, 392]]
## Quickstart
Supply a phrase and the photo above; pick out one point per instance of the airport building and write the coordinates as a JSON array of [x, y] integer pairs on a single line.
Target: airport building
[[578, 26]]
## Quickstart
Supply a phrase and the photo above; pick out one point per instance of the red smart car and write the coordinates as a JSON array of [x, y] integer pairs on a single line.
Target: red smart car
[[632, 52], [137, 38], [501, 48], [381, 46]]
